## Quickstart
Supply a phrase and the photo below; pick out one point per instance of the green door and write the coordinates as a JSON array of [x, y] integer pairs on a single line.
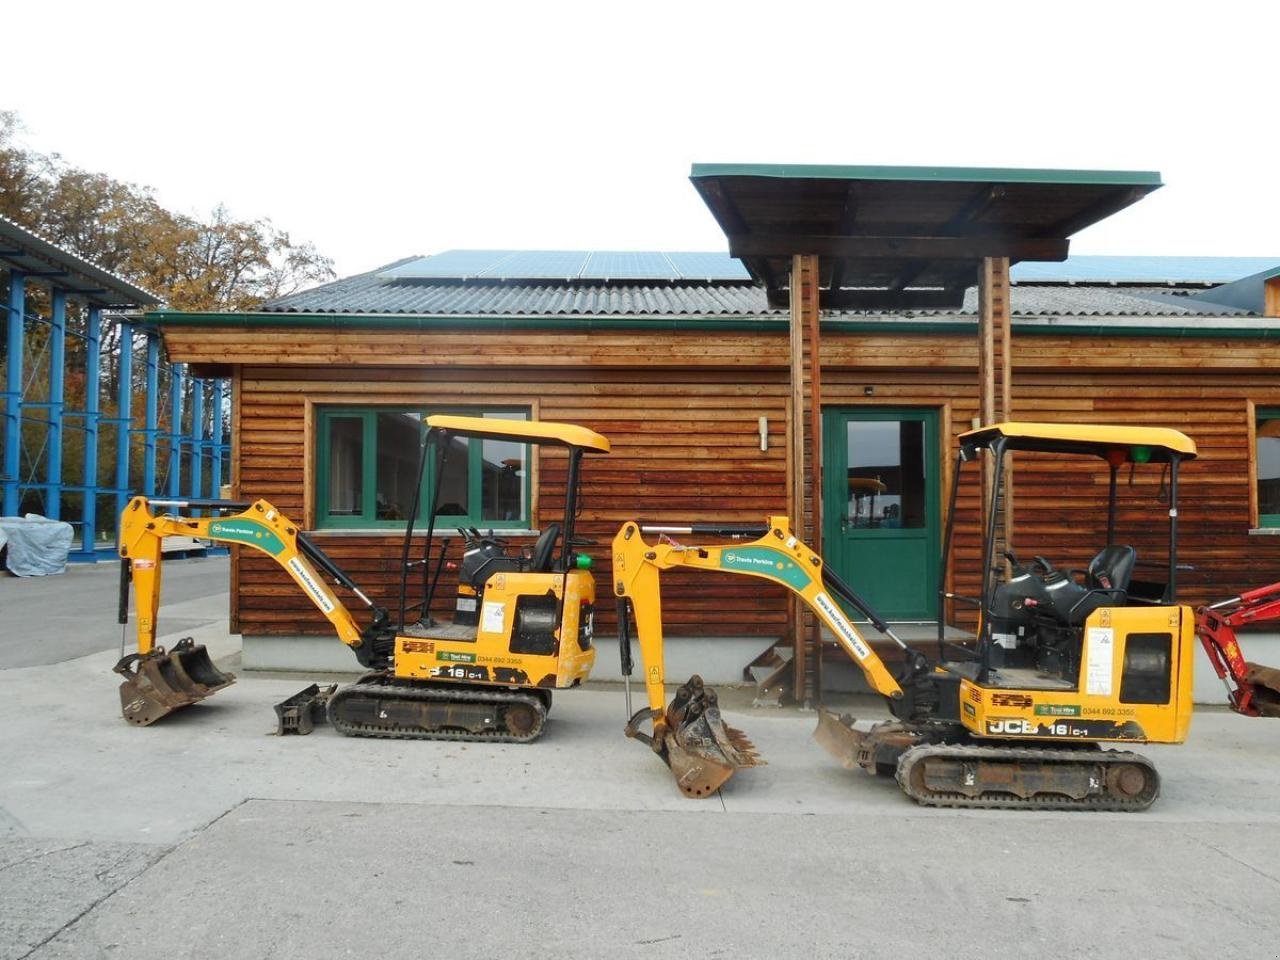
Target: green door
[[880, 506]]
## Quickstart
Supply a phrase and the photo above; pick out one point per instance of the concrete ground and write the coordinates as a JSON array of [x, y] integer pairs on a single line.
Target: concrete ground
[[206, 836]]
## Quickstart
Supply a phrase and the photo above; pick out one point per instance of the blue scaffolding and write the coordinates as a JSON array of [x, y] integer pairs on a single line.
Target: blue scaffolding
[[54, 298]]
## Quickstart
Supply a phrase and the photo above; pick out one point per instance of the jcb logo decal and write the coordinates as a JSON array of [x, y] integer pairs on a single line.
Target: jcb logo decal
[[1017, 727]]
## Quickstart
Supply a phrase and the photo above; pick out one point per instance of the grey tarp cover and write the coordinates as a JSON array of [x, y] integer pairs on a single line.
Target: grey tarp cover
[[38, 546]]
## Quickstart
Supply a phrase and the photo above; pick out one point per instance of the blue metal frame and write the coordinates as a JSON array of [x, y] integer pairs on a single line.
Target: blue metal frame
[[20, 409], [13, 391], [57, 397], [175, 429]]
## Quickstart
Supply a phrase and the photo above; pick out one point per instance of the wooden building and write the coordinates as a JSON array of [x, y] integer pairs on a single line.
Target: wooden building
[[682, 361]]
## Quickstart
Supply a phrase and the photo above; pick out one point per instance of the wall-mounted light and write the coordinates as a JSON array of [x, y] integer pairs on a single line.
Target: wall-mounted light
[[869, 390], [764, 433]]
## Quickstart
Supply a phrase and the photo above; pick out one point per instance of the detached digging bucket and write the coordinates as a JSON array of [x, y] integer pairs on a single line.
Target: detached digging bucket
[[158, 683]]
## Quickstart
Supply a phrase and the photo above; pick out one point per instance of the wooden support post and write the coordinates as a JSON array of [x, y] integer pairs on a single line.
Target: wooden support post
[[995, 371], [813, 330], [805, 451]]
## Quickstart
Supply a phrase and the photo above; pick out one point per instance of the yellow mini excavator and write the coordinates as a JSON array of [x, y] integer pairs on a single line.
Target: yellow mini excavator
[[521, 627], [1064, 661]]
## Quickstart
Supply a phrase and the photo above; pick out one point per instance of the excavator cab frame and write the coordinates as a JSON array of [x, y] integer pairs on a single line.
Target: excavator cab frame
[[441, 430], [1114, 445]]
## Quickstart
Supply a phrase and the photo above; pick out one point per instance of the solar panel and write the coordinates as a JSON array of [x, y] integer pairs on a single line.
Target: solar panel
[[569, 265], [1116, 269], [628, 265], [539, 265], [451, 265], [708, 266]]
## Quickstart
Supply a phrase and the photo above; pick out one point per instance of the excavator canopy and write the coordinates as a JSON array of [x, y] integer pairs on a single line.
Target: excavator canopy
[[1141, 444], [524, 431]]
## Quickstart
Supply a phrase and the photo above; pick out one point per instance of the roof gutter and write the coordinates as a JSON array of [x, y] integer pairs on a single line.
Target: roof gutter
[[1215, 327]]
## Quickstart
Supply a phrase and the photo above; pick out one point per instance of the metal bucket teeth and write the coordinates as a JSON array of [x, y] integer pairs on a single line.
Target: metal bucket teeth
[[700, 748], [160, 682]]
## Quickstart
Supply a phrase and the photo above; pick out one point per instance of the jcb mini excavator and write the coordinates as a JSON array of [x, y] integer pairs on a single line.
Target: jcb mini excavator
[[522, 624], [1064, 661]]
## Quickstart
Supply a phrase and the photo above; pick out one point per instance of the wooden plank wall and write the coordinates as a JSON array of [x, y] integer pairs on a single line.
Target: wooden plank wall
[[685, 449], [682, 411]]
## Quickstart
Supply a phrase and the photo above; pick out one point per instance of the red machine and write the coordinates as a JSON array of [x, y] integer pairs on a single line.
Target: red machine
[[1253, 690]]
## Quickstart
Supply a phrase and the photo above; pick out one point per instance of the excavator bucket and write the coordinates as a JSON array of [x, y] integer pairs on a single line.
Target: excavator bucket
[[700, 748], [1266, 688], [158, 683]]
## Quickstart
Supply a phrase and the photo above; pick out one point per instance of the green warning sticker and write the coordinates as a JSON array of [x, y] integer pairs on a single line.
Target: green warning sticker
[[1057, 710], [452, 657]]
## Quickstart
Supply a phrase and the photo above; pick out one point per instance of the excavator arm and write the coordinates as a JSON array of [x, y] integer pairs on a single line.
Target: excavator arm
[[156, 681], [689, 734], [1252, 689], [260, 526]]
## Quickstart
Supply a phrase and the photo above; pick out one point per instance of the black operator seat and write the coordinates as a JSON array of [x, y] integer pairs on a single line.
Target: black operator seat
[[1111, 568], [544, 547]]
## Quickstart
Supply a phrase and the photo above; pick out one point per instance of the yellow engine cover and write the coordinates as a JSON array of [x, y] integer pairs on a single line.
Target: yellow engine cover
[[535, 630], [1134, 685]]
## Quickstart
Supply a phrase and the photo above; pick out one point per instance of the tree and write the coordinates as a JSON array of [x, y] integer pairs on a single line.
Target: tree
[[219, 263]]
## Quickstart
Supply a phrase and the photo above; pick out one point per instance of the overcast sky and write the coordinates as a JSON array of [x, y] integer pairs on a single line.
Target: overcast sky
[[381, 130]]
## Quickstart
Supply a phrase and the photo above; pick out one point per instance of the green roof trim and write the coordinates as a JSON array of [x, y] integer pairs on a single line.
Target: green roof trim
[[163, 318], [1119, 178]]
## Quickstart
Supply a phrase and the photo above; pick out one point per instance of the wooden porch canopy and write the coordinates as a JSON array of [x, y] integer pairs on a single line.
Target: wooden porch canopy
[[903, 238], [894, 239]]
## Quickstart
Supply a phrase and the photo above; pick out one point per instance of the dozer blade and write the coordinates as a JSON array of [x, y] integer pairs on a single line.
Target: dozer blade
[[158, 683], [1266, 688], [700, 748], [835, 734]]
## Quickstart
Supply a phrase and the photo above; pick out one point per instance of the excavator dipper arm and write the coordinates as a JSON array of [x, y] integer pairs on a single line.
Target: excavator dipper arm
[[689, 734]]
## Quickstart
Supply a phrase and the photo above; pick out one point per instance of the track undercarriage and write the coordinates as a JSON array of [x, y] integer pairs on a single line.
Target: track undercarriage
[[380, 705], [938, 764]]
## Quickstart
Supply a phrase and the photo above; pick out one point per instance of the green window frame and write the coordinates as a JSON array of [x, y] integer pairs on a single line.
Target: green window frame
[[1267, 458], [369, 512]]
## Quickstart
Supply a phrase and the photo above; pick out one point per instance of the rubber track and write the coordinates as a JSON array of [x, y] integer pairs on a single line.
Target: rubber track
[[390, 690], [1014, 754]]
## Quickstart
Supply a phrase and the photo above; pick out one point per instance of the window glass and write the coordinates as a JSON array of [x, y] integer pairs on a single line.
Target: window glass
[[346, 471], [504, 474], [398, 439], [886, 473], [1268, 457], [368, 462], [454, 495]]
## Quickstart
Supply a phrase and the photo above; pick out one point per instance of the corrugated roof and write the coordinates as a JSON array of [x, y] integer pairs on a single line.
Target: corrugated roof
[[32, 254], [369, 293]]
